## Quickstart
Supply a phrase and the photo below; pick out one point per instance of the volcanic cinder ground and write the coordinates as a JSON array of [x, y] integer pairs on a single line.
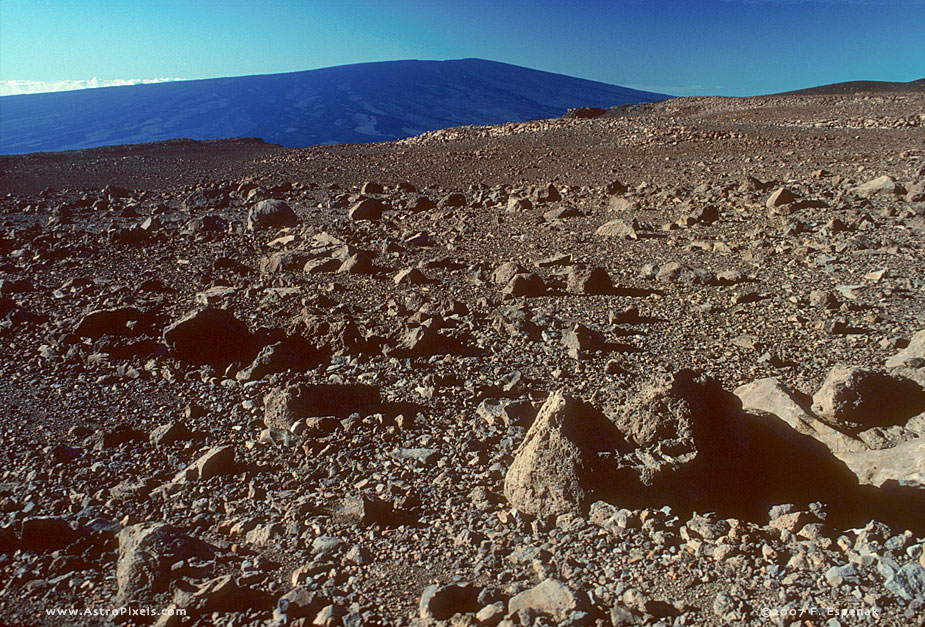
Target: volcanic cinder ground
[[658, 366]]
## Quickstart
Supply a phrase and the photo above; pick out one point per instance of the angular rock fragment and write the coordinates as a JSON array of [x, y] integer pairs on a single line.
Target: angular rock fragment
[[527, 284], [454, 199], [884, 185], [771, 396], [912, 356], [782, 196], [557, 468], [580, 339], [619, 228], [368, 209], [507, 271], [271, 214], [442, 602], [551, 597], [219, 460], [506, 412], [588, 280], [46, 533], [409, 276], [621, 204], [289, 261], [286, 405], [561, 213], [855, 399], [205, 199], [361, 262], [102, 322], [364, 510], [147, 551], [516, 204], [280, 357], [210, 336], [174, 431], [301, 602]]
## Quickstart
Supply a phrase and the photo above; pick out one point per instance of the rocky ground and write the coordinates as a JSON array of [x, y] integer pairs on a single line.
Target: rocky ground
[[665, 366]]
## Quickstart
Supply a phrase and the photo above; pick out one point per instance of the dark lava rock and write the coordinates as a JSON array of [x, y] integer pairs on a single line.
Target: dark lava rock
[[588, 280], [210, 336], [368, 209], [442, 602], [107, 322], [286, 405], [147, 551], [46, 533], [271, 214]]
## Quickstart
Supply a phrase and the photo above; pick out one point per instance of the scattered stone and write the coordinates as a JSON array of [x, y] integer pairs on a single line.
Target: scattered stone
[[527, 284], [588, 280], [46, 533], [619, 228], [271, 214], [782, 196], [102, 322], [855, 399], [550, 597], [219, 460], [288, 404], [519, 205], [557, 468], [840, 575], [174, 431], [364, 510], [147, 552], [409, 276], [442, 602], [908, 583], [884, 185], [912, 356], [580, 340], [210, 336], [368, 209]]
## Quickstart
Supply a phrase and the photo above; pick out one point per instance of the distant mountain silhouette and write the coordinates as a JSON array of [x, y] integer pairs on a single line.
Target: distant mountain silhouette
[[857, 87], [365, 102]]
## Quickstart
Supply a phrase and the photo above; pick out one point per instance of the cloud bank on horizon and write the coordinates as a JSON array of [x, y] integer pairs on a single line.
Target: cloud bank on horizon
[[17, 87]]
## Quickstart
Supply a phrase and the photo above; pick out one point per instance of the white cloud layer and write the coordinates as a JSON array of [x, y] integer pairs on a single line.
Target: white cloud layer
[[13, 87]]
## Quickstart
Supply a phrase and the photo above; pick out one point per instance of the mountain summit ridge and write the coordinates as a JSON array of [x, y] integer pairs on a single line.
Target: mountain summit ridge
[[357, 103]]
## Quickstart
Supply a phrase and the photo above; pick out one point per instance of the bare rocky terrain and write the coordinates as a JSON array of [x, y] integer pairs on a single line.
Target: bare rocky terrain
[[663, 365]]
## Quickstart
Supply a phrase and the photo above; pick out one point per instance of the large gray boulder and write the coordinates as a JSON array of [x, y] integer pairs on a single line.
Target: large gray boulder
[[557, 468], [210, 336], [288, 404], [551, 597], [855, 399], [771, 396], [689, 437], [271, 214], [147, 551], [912, 356]]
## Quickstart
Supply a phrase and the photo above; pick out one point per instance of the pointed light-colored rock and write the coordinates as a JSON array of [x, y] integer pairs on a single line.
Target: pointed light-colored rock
[[554, 469]]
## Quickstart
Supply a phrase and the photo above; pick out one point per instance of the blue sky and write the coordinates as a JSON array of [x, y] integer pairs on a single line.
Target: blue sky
[[726, 47]]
